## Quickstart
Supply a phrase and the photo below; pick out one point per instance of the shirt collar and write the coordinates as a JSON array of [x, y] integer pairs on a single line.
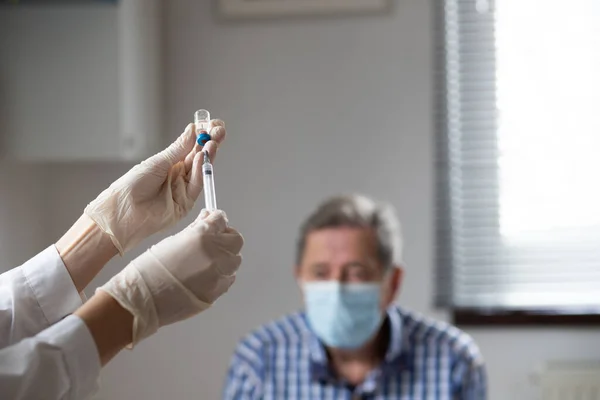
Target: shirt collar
[[396, 357]]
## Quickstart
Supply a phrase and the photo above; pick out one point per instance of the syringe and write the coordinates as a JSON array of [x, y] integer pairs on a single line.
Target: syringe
[[210, 198], [202, 122]]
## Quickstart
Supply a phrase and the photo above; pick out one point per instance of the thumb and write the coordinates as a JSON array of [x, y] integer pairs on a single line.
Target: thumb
[[177, 151], [203, 214], [216, 221]]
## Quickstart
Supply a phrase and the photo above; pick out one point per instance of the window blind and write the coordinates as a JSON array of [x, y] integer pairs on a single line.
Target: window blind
[[518, 154]]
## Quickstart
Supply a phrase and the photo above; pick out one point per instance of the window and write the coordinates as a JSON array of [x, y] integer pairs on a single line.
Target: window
[[518, 159]]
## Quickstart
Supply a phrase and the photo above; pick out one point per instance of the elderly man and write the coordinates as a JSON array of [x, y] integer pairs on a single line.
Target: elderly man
[[352, 341]]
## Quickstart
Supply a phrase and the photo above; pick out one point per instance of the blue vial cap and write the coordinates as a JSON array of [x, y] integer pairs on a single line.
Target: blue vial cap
[[203, 139]]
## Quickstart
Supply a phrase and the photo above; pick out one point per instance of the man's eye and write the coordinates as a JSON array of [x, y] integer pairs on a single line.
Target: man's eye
[[359, 274], [320, 274]]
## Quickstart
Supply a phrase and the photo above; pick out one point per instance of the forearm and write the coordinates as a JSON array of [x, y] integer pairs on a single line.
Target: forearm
[[85, 249], [110, 324]]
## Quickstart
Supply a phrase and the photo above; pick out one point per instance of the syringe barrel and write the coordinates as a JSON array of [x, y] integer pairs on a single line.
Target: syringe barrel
[[210, 198]]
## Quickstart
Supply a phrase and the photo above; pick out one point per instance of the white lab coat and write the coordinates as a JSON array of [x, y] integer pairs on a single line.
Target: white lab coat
[[45, 353]]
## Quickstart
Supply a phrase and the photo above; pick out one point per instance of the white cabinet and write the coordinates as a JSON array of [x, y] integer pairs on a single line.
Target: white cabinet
[[80, 82]]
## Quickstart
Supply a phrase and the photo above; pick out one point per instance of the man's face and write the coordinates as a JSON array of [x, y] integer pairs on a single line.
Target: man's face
[[347, 255]]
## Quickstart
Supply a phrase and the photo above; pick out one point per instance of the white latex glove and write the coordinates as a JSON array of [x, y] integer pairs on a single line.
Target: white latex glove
[[156, 193], [179, 277]]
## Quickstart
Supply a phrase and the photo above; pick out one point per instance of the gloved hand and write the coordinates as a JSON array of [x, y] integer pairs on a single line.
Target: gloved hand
[[156, 193], [179, 277]]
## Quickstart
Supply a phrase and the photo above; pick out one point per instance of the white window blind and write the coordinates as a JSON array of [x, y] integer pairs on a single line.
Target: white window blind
[[518, 154]]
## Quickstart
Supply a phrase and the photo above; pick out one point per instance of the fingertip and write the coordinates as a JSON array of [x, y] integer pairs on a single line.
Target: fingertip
[[218, 219], [188, 137], [237, 264], [216, 122], [219, 214], [177, 151], [241, 239], [235, 240], [198, 157], [189, 132], [204, 213], [218, 134], [211, 148]]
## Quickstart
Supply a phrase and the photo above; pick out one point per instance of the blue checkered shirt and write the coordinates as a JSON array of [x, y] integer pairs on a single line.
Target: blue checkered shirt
[[425, 359]]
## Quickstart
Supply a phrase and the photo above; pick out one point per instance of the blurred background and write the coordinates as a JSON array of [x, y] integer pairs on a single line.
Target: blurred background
[[478, 120]]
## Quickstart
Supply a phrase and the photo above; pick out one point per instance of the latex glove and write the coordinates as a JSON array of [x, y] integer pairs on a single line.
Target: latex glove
[[179, 277], [156, 193]]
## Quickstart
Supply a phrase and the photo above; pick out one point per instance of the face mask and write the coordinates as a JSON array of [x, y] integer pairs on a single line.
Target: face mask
[[343, 315]]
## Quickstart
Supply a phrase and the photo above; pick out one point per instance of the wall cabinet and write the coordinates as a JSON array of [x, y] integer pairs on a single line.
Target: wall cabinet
[[81, 82]]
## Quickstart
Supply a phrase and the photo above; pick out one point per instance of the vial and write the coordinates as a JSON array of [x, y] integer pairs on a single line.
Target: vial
[[202, 124], [202, 121]]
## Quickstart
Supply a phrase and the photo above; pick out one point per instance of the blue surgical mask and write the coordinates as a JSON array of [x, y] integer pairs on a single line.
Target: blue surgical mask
[[343, 315]]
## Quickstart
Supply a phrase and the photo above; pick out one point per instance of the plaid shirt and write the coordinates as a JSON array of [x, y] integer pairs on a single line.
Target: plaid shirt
[[425, 360]]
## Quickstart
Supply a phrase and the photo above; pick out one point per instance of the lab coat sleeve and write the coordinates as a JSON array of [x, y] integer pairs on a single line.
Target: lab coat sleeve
[[60, 362], [34, 296]]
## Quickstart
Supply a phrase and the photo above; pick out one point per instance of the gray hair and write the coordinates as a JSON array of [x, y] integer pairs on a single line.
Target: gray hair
[[357, 211]]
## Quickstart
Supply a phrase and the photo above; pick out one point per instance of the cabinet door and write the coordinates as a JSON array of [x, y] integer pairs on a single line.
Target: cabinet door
[[67, 93]]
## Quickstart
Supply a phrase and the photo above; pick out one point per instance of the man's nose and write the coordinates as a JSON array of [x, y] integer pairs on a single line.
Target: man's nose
[[339, 275]]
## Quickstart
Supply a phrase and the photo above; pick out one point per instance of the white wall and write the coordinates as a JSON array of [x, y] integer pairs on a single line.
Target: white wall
[[311, 105], [22, 216]]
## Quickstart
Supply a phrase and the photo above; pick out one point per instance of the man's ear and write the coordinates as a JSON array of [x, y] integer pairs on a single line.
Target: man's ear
[[297, 278], [392, 285]]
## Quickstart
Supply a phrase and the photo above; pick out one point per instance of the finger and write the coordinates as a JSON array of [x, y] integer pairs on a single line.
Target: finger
[[200, 219], [189, 159], [216, 122], [228, 266], [231, 240], [204, 213], [218, 134], [211, 147], [195, 183], [177, 151], [217, 221], [223, 284]]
